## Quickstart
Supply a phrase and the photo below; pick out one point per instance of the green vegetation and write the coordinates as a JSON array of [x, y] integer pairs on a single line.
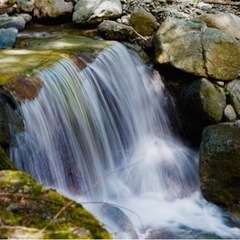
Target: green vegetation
[[28, 210]]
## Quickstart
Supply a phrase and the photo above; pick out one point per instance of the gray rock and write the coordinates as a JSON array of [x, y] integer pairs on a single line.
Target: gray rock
[[8, 37], [229, 114], [87, 12], [233, 89], [27, 17], [12, 22], [204, 100], [115, 31], [220, 164]]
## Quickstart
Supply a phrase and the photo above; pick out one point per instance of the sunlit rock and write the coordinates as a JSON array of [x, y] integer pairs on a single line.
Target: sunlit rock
[[192, 47], [95, 11], [178, 42], [226, 22]]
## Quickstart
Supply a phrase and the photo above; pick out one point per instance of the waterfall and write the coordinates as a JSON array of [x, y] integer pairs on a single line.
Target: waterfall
[[101, 135]]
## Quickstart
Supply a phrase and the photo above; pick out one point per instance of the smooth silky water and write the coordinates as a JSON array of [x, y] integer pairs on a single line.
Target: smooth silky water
[[101, 136]]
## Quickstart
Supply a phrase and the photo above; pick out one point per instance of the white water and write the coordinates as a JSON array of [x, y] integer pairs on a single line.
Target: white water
[[101, 135]]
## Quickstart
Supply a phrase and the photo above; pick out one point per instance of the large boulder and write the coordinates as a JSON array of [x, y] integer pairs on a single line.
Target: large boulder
[[226, 22], [8, 37], [204, 101], [143, 22], [233, 90], [52, 8], [31, 211], [192, 47], [178, 42], [220, 164], [89, 12]]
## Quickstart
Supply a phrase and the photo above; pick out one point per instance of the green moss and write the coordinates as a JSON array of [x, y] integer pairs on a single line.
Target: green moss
[[36, 212]]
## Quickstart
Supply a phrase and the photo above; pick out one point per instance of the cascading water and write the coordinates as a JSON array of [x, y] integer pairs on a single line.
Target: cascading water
[[101, 136]]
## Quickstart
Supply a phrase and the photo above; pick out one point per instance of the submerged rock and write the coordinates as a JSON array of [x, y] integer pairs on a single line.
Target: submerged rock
[[28, 210], [220, 164]]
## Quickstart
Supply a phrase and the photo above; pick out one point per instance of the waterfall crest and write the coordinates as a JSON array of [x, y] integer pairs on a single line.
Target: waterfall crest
[[102, 134]]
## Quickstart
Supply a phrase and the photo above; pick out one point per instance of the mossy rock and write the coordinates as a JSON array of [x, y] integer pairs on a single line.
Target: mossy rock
[[29, 210]]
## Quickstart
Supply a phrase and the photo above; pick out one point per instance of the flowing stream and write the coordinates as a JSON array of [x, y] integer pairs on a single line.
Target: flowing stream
[[101, 136]]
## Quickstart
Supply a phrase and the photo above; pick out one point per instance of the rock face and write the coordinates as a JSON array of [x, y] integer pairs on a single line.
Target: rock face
[[205, 101], [115, 31], [228, 23], [220, 164], [52, 8], [143, 22], [28, 211], [8, 37], [88, 12], [192, 47]]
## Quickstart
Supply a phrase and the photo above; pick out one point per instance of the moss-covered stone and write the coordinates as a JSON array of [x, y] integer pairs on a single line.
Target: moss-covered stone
[[28, 210]]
